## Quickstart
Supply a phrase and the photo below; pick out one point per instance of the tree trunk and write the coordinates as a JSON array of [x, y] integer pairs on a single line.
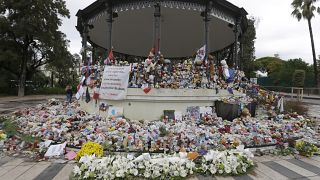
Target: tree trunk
[[315, 66], [23, 75]]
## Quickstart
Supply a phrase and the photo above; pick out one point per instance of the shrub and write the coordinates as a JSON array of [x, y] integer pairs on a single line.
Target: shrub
[[295, 106], [298, 78], [49, 90]]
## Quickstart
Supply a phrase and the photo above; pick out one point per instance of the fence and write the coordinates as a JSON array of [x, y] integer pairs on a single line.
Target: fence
[[295, 91]]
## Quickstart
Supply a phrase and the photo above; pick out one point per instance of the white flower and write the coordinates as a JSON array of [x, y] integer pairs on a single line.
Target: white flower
[[120, 173], [183, 173], [190, 164], [76, 170], [227, 169], [212, 169], [134, 171], [147, 174], [156, 173], [176, 173], [245, 151], [204, 167], [86, 159], [140, 165], [220, 171], [190, 172], [86, 174], [130, 157], [244, 169]]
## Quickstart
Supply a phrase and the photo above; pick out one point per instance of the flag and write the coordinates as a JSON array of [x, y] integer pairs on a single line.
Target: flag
[[201, 56], [201, 53], [88, 98], [110, 58], [151, 53]]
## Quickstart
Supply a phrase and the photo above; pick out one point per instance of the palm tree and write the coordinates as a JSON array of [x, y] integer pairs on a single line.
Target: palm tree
[[305, 9]]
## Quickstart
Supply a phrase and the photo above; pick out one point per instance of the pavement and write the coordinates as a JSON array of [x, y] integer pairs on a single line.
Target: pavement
[[9, 104], [267, 167]]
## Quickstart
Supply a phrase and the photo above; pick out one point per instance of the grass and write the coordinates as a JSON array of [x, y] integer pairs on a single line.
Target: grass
[[11, 129]]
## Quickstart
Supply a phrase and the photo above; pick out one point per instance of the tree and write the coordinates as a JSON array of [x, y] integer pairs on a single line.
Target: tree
[[298, 78], [272, 65], [29, 34], [280, 72], [63, 67], [248, 49], [305, 9]]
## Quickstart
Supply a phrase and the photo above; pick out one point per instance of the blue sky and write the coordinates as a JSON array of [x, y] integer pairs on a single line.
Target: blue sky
[[277, 31]]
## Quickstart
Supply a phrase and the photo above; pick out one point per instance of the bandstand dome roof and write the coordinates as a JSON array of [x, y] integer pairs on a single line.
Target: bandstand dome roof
[[182, 26]]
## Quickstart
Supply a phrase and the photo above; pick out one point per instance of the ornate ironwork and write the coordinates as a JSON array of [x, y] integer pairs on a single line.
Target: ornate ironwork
[[192, 6]]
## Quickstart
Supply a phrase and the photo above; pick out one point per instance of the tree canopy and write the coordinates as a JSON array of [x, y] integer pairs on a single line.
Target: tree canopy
[[281, 71], [248, 48], [29, 35]]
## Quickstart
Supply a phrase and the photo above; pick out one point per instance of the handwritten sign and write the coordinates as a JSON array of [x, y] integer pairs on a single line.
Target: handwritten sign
[[114, 84]]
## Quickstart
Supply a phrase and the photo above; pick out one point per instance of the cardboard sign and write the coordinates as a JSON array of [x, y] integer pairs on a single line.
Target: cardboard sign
[[115, 81], [55, 150], [115, 111]]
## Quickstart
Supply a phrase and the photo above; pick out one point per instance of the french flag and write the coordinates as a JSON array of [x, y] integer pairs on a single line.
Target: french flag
[[110, 58]]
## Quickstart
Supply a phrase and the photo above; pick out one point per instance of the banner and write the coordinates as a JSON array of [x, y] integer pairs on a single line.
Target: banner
[[115, 81], [201, 53]]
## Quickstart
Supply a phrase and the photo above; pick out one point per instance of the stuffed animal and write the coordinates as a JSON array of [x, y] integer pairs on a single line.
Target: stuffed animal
[[225, 70], [245, 113]]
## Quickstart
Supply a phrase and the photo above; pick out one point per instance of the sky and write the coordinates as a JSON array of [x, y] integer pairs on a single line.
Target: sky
[[277, 31]]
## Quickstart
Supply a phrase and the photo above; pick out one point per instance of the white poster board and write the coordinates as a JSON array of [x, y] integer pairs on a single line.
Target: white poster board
[[114, 83], [55, 150]]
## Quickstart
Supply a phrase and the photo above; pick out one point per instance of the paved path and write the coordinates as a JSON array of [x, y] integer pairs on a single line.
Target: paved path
[[267, 167], [12, 103]]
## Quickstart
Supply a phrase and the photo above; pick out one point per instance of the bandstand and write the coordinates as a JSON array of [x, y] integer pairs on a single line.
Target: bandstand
[[177, 28]]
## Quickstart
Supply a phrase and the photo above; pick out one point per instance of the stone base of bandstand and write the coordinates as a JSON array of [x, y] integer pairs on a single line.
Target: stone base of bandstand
[[141, 106]]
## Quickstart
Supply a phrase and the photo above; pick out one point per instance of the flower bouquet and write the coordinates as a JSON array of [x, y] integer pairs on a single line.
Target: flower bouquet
[[163, 166], [305, 148], [90, 148]]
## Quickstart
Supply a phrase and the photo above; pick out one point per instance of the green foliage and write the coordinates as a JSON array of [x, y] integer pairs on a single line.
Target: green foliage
[[248, 49], [303, 9], [272, 65], [281, 72], [30, 36], [63, 68], [298, 78], [10, 128]]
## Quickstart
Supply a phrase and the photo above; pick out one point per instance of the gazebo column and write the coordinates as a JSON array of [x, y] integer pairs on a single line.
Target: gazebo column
[[236, 60], [206, 19], [157, 28], [94, 59], [84, 42], [241, 54], [109, 27]]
